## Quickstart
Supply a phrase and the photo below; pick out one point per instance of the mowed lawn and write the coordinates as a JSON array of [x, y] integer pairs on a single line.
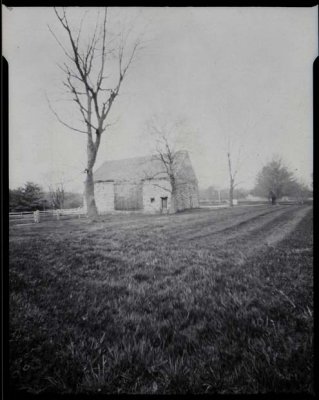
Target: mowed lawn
[[209, 301]]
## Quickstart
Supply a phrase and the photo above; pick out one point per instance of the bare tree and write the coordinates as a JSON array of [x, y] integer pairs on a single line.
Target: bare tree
[[87, 69], [235, 154], [169, 153], [233, 171], [235, 160], [57, 196]]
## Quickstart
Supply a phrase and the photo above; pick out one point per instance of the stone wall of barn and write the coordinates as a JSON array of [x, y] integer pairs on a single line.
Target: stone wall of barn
[[128, 196], [104, 196], [187, 196], [153, 193], [149, 196]]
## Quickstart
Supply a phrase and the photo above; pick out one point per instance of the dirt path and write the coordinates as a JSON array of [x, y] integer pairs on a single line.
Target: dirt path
[[283, 230], [248, 235]]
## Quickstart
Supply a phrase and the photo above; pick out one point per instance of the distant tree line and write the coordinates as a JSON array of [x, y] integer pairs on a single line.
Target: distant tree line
[[31, 197], [273, 177]]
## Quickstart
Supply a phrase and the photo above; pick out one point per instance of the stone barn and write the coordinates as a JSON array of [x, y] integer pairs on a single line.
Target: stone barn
[[142, 184]]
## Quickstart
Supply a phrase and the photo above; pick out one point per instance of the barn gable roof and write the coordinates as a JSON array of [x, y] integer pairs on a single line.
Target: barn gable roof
[[141, 168]]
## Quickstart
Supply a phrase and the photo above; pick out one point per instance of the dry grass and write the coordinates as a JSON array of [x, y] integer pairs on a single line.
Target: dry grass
[[198, 302]]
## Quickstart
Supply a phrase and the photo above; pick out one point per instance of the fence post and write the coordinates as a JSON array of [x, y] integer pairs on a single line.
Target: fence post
[[36, 216]]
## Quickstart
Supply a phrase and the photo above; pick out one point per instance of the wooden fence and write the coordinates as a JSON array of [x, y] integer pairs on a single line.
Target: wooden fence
[[30, 217]]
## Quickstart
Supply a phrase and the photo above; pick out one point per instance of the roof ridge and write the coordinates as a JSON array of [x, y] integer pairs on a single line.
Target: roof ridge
[[134, 167], [139, 157]]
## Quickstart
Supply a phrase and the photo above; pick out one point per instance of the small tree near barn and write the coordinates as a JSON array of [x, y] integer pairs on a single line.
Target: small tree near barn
[[94, 71], [168, 151]]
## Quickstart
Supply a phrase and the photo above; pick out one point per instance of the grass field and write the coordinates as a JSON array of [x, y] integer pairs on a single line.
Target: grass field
[[209, 301]]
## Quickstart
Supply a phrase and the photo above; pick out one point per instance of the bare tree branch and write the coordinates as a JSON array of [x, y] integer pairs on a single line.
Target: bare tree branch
[[161, 187], [80, 29], [100, 76], [61, 121], [60, 44]]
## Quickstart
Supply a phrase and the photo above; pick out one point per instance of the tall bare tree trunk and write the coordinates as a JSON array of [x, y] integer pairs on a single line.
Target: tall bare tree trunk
[[231, 182], [92, 149], [89, 195], [173, 204], [231, 193], [172, 208]]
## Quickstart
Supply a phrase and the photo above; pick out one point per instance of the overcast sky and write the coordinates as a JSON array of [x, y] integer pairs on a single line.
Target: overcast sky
[[238, 73]]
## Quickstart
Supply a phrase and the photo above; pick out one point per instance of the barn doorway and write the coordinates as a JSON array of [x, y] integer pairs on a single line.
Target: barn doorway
[[164, 203]]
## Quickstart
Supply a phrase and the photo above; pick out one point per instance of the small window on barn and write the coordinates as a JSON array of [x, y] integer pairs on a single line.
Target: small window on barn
[[152, 199]]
